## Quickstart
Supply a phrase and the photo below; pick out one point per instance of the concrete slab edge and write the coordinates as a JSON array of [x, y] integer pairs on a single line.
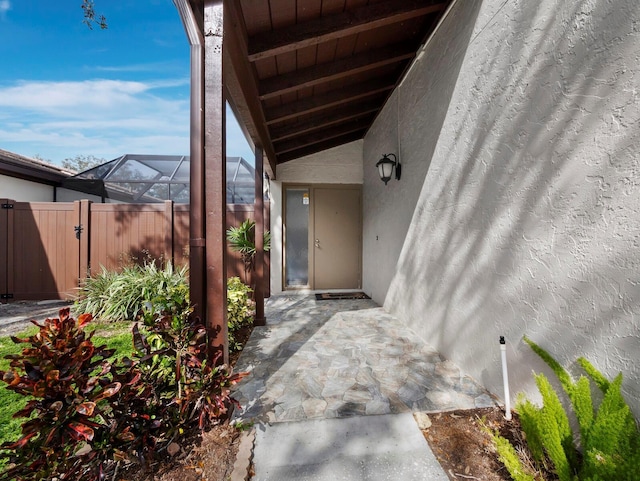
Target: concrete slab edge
[[242, 466]]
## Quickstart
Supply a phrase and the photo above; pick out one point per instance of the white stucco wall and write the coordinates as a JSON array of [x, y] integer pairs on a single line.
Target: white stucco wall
[[519, 207], [24, 190], [339, 165], [68, 195]]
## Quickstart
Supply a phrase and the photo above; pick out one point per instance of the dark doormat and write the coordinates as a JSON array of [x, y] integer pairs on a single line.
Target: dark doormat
[[333, 296]]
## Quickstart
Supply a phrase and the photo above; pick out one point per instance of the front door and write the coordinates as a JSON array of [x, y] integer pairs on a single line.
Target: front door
[[336, 240], [323, 237]]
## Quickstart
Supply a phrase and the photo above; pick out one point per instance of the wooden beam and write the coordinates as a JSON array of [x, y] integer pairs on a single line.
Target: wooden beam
[[335, 116], [214, 183], [241, 81], [258, 213], [317, 137], [319, 147], [331, 99], [337, 26], [336, 70], [193, 19]]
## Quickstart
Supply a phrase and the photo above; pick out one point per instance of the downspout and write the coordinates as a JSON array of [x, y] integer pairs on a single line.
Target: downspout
[[197, 287]]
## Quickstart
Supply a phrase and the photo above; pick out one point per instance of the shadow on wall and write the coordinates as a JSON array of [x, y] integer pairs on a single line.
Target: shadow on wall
[[412, 120], [529, 220]]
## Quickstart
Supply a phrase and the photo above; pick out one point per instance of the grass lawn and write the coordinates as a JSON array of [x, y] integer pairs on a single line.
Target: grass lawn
[[115, 335]]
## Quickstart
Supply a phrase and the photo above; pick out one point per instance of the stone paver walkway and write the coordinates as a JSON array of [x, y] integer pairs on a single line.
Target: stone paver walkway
[[329, 359]]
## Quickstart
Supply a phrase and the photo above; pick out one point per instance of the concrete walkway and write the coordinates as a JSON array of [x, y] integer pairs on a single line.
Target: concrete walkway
[[317, 361]]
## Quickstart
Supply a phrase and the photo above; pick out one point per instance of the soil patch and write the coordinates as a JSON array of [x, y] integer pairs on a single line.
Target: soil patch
[[465, 451]]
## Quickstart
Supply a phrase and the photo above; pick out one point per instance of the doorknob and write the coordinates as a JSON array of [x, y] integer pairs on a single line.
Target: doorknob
[[318, 243]]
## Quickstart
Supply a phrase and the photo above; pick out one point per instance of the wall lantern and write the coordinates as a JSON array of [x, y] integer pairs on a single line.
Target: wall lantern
[[386, 167]]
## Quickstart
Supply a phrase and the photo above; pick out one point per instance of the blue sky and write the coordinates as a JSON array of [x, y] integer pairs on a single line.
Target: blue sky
[[66, 90]]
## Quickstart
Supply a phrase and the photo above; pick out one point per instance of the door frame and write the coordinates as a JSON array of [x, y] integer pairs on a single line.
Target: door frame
[[311, 231]]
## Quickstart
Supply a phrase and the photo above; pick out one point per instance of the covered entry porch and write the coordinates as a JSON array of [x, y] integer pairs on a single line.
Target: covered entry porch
[[319, 359]]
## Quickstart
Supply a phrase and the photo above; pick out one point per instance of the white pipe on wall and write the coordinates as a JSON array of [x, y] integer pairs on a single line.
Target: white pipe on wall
[[505, 379]]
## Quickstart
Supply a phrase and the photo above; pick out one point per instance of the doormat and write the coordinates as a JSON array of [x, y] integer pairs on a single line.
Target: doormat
[[333, 296]]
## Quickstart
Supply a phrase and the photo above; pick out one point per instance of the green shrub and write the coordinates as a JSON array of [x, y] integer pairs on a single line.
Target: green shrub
[[608, 444], [241, 239], [240, 309], [121, 295]]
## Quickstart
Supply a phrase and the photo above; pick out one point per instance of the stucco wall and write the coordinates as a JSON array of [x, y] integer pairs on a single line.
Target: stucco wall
[[340, 165], [24, 190], [519, 207]]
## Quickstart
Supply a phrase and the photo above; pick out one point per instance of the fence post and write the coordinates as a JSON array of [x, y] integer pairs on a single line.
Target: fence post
[[10, 248], [84, 267], [169, 248], [4, 249]]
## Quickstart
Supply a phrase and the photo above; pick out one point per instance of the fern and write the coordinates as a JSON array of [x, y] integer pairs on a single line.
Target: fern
[[563, 376], [601, 381], [583, 405], [509, 457], [609, 435], [555, 431], [529, 419]]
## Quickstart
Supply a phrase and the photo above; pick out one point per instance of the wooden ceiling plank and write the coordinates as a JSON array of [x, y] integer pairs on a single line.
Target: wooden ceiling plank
[[316, 137], [320, 146], [318, 74], [341, 25], [330, 118], [328, 100]]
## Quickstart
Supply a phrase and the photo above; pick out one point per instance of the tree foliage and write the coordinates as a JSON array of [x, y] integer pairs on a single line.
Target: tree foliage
[[91, 18], [80, 163]]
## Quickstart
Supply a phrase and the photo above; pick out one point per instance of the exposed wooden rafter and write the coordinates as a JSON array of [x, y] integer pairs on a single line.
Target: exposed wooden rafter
[[359, 125], [329, 100], [337, 26], [336, 70], [328, 119], [320, 146]]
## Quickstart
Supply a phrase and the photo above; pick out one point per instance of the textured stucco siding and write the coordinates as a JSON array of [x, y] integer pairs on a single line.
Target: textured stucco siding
[[519, 207], [24, 190], [339, 165]]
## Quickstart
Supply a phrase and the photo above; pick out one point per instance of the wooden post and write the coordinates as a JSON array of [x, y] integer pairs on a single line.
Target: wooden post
[[4, 246], [215, 182], [197, 285], [168, 249], [84, 267], [258, 213], [10, 248]]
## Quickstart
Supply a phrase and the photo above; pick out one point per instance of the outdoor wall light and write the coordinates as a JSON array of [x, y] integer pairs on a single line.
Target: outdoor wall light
[[386, 167]]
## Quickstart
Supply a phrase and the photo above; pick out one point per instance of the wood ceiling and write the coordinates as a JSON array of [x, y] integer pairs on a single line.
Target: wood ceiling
[[308, 75]]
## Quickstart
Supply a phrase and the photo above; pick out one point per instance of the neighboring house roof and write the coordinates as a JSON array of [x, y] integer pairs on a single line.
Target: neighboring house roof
[[34, 170]]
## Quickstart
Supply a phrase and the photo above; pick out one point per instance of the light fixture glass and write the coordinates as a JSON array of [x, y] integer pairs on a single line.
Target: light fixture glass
[[386, 167]]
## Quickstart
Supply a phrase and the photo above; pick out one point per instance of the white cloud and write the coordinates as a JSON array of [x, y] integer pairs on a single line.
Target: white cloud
[[104, 118], [5, 6]]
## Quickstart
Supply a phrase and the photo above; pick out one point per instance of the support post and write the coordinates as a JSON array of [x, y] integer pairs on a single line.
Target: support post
[[197, 285], [259, 238], [85, 241], [168, 249], [4, 249], [215, 183]]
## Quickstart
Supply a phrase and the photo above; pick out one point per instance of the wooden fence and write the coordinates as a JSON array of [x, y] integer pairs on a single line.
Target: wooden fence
[[46, 248]]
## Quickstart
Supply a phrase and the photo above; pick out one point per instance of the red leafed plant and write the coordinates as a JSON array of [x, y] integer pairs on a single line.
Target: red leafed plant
[[66, 377], [173, 357], [86, 412]]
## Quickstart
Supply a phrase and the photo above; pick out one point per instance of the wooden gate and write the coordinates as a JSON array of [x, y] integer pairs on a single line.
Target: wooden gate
[[46, 248]]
